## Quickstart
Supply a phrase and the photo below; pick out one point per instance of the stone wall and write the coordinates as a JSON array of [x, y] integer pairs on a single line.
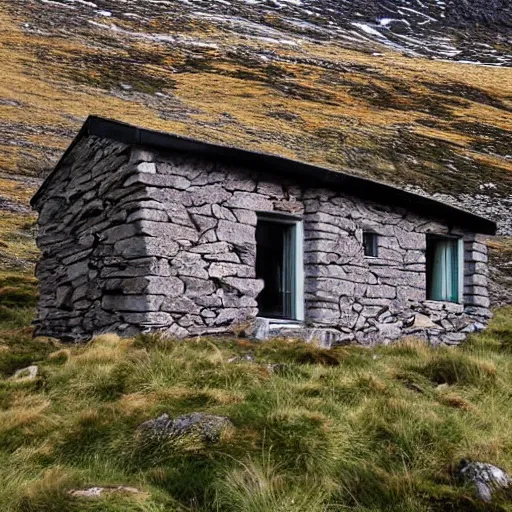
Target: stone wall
[[175, 250], [81, 212]]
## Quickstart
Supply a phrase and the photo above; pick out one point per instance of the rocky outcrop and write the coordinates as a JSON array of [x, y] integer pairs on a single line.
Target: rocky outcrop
[[98, 492]]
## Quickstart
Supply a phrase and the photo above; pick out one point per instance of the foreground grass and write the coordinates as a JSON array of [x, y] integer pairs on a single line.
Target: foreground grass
[[347, 429]]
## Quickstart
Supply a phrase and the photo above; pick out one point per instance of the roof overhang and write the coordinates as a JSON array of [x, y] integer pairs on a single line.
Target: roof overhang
[[319, 176]]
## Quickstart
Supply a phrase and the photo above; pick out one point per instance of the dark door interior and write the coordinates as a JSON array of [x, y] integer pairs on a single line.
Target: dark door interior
[[274, 266]]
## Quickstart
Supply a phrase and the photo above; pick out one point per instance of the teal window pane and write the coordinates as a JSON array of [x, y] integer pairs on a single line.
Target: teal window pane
[[443, 269]]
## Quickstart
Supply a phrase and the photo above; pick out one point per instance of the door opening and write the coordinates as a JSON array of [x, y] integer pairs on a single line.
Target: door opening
[[279, 262]]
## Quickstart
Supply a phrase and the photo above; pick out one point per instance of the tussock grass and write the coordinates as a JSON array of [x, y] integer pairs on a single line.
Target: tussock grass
[[351, 429]]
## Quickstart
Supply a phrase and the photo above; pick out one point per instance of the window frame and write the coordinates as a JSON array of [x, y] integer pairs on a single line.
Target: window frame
[[297, 303], [375, 243], [460, 266]]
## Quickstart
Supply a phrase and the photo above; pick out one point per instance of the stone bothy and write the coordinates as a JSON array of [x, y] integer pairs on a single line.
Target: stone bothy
[[141, 231]]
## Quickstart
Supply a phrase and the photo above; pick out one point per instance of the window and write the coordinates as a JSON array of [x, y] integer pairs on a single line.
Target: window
[[279, 262], [444, 268], [370, 244]]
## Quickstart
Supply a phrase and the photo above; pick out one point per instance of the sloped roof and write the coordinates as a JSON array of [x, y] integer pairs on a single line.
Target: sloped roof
[[319, 176]]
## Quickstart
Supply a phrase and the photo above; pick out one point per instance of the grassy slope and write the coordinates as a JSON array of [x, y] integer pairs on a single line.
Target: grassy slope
[[348, 429]]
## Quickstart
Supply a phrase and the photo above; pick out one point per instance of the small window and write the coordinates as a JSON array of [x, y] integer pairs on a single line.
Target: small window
[[370, 244], [444, 269], [279, 262]]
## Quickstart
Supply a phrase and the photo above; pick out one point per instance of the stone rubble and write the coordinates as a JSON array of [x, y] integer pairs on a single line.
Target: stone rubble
[[134, 240]]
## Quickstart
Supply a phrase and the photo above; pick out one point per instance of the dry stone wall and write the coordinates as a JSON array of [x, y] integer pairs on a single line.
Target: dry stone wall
[[171, 245], [83, 214]]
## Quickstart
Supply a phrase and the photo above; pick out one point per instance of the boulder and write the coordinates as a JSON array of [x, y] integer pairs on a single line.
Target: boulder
[[485, 477], [97, 492], [277, 368], [28, 373], [208, 428]]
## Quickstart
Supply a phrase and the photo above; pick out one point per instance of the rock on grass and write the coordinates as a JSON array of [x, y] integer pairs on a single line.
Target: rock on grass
[[207, 427], [485, 477]]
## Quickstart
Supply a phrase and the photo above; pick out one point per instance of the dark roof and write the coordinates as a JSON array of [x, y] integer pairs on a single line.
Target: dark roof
[[319, 176]]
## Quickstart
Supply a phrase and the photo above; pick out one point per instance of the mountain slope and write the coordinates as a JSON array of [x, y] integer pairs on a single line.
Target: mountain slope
[[340, 84]]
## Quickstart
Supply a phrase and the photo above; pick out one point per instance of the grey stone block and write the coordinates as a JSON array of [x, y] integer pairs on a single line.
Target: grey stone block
[[476, 290], [250, 201], [477, 300], [212, 248], [167, 231], [208, 194], [475, 256], [204, 223], [117, 233], [246, 286], [381, 291], [410, 240], [230, 257], [221, 212], [245, 216], [140, 303], [195, 287], [236, 233], [180, 305], [77, 270], [189, 264], [147, 167], [221, 270], [148, 214], [475, 280]]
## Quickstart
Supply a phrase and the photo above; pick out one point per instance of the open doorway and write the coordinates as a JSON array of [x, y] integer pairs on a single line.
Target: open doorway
[[279, 262]]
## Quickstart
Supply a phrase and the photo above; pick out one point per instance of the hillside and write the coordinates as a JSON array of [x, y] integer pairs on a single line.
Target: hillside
[[417, 93], [308, 430], [341, 86]]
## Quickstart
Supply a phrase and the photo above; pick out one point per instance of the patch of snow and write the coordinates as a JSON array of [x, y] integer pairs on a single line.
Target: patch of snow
[[57, 4], [83, 2], [368, 30], [416, 12], [153, 37], [272, 40]]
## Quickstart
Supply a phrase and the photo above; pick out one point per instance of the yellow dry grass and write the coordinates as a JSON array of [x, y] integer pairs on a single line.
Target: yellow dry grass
[[16, 190], [305, 111]]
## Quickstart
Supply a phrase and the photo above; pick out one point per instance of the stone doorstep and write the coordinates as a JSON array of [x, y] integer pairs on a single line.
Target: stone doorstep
[[264, 327]]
